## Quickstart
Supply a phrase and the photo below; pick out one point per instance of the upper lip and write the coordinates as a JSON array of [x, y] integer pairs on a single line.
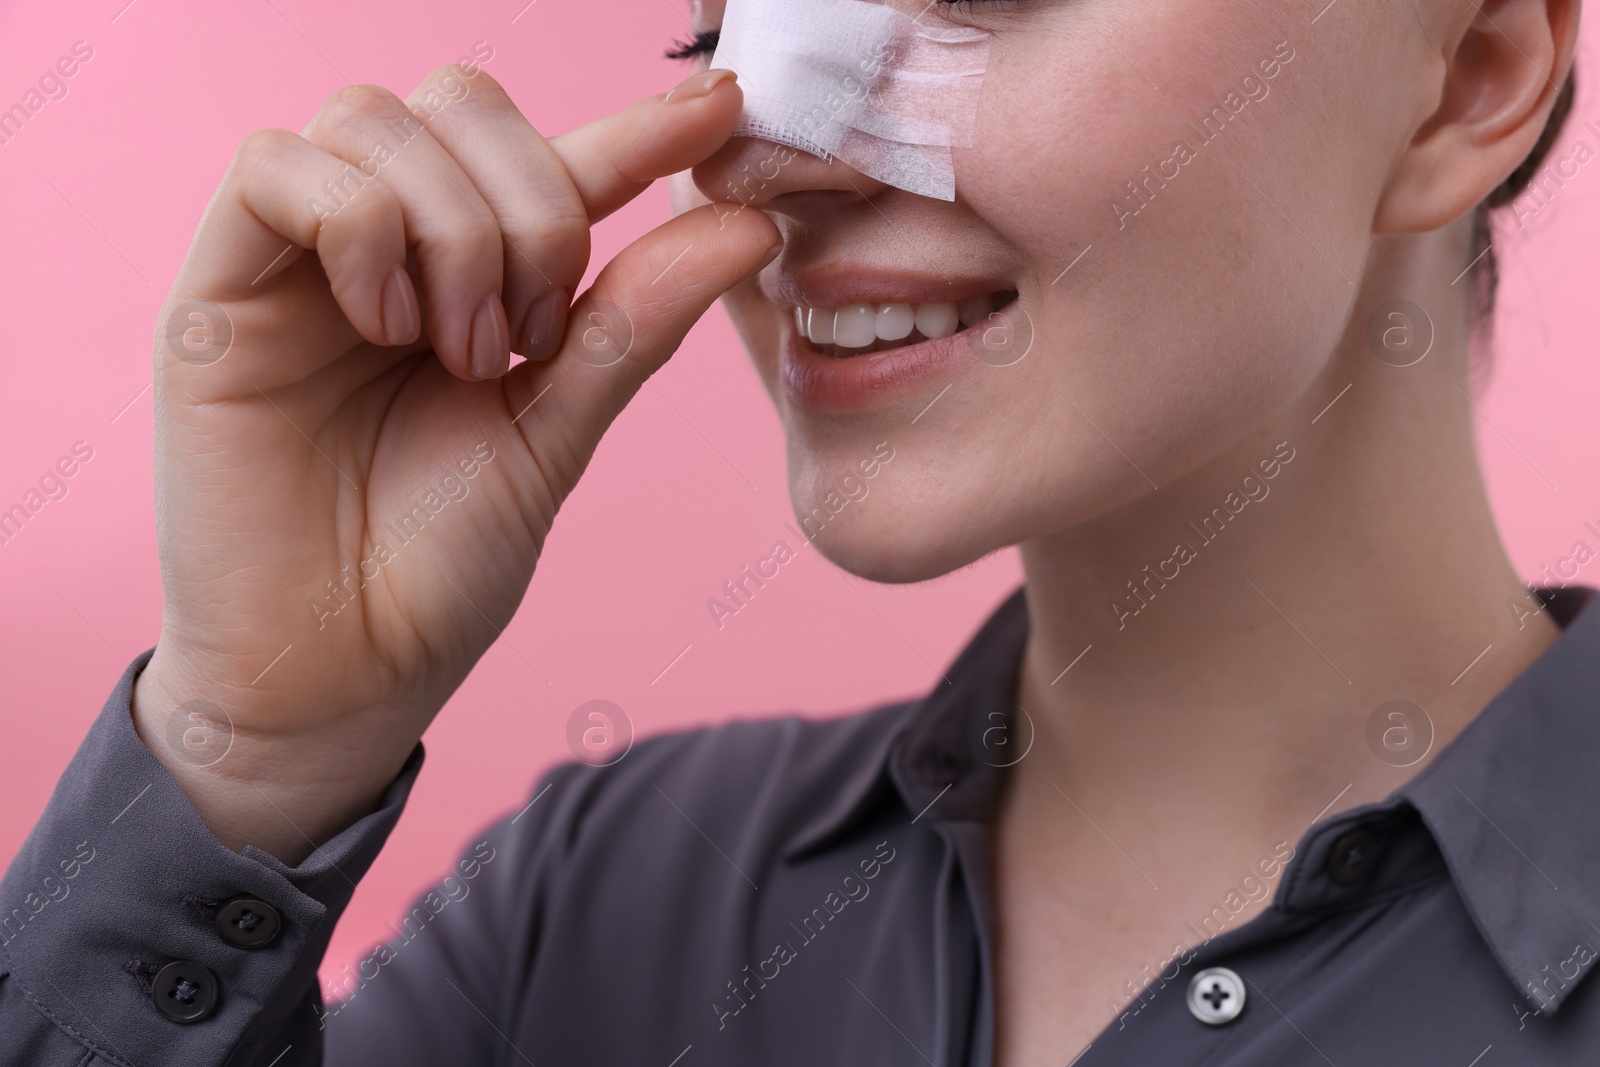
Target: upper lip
[[838, 285]]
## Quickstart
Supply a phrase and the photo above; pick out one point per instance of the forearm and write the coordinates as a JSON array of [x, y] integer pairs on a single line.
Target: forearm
[[121, 892]]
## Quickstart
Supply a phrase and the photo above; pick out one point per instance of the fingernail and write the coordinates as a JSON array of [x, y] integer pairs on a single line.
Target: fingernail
[[487, 344], [399, 309], [698, 85], [544, 321]]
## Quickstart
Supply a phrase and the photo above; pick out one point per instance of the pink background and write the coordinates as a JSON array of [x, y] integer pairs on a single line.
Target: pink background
[[99, 195]]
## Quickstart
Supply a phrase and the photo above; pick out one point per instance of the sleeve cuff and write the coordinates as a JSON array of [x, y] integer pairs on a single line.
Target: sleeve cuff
[[120, 884]]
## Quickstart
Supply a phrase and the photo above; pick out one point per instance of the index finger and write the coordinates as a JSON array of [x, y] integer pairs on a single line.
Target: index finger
[[614, 159]]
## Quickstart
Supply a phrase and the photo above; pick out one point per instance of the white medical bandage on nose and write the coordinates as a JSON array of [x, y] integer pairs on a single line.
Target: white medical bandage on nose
[[859, 81]]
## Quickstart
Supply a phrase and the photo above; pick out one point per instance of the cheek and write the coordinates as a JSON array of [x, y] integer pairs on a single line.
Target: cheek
[[1194, 306], [706, 14]]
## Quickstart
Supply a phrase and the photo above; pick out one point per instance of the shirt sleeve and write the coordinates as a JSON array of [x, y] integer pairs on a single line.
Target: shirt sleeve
[[450, 987], [130, 935]]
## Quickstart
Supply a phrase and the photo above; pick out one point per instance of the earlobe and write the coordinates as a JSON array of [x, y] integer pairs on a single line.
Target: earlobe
[[1501, 73]]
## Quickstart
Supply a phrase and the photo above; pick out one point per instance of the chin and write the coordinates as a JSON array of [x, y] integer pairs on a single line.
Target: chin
[[891, 553], [892, 535]]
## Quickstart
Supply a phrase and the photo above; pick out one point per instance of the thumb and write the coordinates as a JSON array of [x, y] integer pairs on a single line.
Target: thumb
[[627, 325]]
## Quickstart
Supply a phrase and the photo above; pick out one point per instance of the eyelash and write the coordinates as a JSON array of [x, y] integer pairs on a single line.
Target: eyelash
[[705, 43], [701, 44]]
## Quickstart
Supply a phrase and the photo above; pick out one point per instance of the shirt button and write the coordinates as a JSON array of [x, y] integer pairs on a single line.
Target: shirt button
[[1353, 856], [1216, 996], [248, 922], [185, 991]]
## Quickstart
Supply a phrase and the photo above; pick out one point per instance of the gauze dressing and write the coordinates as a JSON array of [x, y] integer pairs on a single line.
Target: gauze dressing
[[858, 81]]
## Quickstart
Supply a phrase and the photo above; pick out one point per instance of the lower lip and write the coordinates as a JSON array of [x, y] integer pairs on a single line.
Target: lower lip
[[851, 383]]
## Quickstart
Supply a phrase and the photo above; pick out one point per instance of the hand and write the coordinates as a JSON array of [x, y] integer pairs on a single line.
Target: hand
[[352, 491]]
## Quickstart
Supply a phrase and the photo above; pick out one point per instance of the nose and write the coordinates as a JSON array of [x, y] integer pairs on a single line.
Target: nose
[[757, 172]]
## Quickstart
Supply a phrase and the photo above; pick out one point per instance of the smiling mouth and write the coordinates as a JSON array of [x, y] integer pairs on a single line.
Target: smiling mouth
[[863, 327]]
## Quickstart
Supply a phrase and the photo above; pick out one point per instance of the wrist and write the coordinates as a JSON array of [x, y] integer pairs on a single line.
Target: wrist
[[283, 792]]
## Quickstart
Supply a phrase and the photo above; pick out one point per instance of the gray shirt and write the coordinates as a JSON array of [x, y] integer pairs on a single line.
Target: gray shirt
[[799, 892]]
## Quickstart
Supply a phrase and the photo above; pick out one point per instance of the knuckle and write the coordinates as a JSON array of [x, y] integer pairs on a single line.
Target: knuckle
[[562, 239], [372, 210], [385, 202], [470, 241], [454, 84], [475, 77], [356, 104], [263, 149], [459, 72], [480, 240]]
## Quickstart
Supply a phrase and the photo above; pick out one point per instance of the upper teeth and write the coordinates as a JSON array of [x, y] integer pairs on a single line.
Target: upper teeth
[[861, 325]]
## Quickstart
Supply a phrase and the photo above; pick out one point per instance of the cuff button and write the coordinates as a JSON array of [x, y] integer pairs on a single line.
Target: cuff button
[[185, 991], [248, 922]]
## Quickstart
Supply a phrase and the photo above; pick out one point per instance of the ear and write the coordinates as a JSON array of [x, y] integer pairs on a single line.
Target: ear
[[1504, 63]]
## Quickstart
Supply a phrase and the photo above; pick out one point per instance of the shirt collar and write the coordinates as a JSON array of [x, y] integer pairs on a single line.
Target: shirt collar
[[1514, 805], [1513, 802], [948, 746], [949, 756]]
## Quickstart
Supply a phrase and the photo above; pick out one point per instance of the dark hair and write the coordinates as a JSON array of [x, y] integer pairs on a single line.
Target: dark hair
[[1485, 279]]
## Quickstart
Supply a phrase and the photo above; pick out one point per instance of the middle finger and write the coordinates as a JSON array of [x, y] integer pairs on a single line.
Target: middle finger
[[448, 223], [534, 202]]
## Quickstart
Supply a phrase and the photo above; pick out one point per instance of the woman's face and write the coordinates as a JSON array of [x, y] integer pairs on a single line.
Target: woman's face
[[1179, 192]]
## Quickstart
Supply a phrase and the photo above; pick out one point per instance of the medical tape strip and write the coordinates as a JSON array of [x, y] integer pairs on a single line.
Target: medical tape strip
[[857, 81]]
